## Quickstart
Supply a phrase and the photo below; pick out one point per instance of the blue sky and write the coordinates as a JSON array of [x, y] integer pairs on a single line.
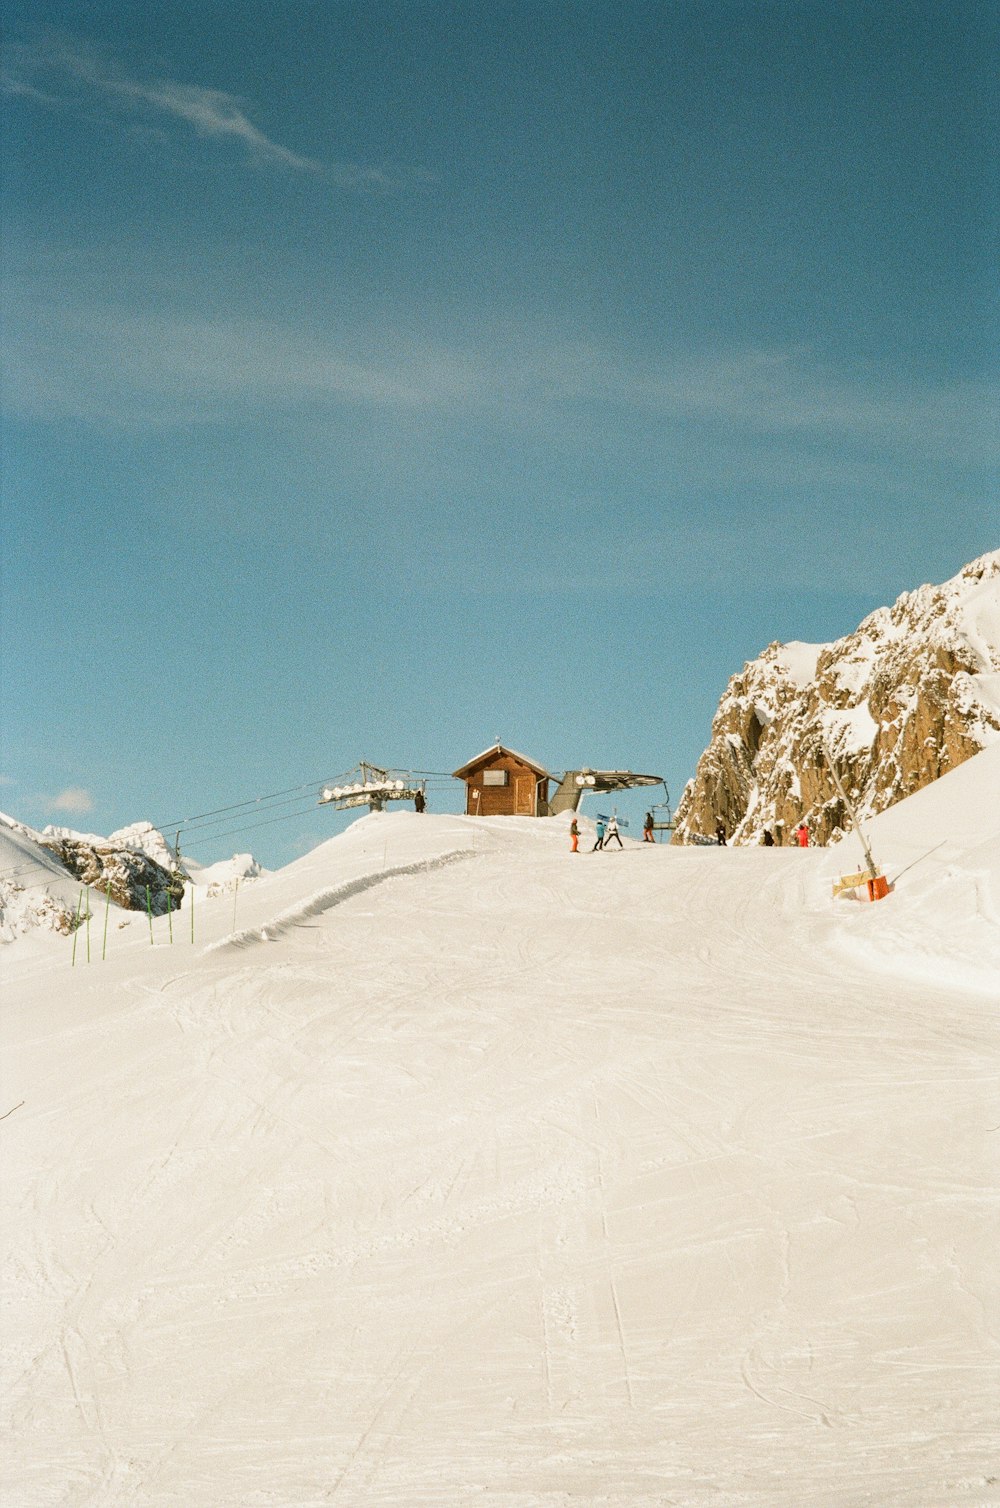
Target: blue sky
[[385, 378]]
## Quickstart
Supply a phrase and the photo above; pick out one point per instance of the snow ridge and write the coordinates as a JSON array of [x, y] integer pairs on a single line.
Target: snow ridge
[[324, 900]]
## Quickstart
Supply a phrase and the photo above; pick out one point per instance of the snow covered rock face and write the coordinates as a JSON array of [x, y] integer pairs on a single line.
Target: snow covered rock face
[[126, 872], [22, 910], [914, 691]]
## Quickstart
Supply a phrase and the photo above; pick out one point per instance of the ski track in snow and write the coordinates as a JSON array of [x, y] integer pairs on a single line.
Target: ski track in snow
[[526, 1182]]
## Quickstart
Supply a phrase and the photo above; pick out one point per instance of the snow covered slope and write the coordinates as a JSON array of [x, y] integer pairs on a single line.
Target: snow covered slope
[[35, 889], [941, 850], [447, 1168], [913, 692]]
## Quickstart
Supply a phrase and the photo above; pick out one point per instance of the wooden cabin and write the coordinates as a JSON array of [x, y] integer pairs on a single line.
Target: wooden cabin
[[502, 783]]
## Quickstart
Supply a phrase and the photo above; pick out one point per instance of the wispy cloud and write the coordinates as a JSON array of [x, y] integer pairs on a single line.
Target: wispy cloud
[[74, 800], [68, 73], [72, 355]]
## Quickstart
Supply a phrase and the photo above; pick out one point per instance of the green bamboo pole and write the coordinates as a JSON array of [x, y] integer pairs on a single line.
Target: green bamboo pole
[[107, 908], [149, 913], [79, 913]]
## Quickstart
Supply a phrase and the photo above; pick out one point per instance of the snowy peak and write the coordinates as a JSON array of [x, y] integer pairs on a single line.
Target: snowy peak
[[912, 692]]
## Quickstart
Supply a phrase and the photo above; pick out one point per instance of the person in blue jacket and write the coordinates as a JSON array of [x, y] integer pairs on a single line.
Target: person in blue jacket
[[600, 835]]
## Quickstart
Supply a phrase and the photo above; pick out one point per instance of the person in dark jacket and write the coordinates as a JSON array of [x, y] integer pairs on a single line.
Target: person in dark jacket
[[419, 802], [768, 839], [647, 828], [720, 833]]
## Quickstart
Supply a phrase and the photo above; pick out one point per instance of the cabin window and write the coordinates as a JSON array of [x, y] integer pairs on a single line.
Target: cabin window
[[494, 777]]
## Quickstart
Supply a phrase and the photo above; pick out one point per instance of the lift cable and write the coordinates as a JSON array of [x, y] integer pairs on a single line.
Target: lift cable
[[250, 801]]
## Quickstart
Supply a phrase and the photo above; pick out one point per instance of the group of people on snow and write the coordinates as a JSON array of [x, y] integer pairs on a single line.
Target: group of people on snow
[[604, 830], [801, 835]]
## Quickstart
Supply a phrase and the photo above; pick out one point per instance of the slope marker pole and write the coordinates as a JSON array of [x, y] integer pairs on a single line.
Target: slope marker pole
[[873, 872], [88, 923], [878, 887], [170, 916], [236, 891], [149, 913], [107, 908], [79, 913]]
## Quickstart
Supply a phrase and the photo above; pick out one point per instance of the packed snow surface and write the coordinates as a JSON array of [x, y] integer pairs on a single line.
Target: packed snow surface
[[445, 1167]]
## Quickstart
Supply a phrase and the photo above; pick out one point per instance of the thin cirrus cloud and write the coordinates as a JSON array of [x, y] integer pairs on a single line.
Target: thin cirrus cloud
[[71, 356], [63, 72]]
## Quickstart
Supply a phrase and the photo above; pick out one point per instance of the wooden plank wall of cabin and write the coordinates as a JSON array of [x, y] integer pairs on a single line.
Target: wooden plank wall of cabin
[[491, 800], [502, 800]]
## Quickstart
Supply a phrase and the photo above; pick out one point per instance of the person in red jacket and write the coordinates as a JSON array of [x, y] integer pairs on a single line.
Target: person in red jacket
[[802, 835]]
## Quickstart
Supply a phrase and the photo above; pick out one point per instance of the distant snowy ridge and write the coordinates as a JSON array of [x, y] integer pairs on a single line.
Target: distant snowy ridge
[[137, 837], [912, 693], [225, 874]]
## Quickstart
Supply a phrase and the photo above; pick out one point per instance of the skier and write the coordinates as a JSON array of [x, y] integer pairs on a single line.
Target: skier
[[720, 833], [647, 828], [599, 829], [574, 833], [613, 831], [802, 835], [768, 838], [419, 803]]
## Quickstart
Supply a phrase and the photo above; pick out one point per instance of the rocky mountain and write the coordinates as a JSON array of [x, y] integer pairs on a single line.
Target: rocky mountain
[[914, 691], [35, 868], [133, 880], [41, 874]]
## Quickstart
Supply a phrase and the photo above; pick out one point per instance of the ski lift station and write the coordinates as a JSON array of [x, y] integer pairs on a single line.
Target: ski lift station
[[499, 782]]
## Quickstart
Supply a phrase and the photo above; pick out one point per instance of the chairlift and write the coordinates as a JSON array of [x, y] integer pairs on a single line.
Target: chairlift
[[375, 788], [664, 823]]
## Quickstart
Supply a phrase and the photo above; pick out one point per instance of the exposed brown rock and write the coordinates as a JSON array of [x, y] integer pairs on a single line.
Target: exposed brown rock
[[124, 872], [898, 702]]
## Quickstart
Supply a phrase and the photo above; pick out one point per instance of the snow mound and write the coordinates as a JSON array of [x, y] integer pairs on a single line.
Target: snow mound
[[940, 850]]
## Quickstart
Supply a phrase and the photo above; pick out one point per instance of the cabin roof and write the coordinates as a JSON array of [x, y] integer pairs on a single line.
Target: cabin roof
[[491, 753]]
